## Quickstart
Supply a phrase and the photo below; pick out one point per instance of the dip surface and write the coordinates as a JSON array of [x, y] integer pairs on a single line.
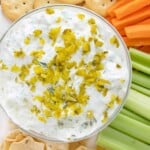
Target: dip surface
[[63, 73]]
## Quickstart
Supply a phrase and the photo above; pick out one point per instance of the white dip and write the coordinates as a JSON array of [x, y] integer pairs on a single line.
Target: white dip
[[63, 73]]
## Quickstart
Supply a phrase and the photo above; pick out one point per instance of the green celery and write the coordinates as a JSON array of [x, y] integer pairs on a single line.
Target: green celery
[[112, 139], [140, 67], [140, 57], [134, 116], [132, 127], [141, 79], [140, 89], [138, 103]]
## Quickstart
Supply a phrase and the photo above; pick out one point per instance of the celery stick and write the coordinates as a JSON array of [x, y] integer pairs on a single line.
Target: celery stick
[[140, 89], [140, 57], [112, 139], [138, 103], [140, 67], [132, 127], [134, 116], [141, 79]]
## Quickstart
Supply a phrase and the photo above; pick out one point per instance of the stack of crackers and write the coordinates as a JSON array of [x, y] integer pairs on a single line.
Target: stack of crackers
[[14, 9], [17, 140]]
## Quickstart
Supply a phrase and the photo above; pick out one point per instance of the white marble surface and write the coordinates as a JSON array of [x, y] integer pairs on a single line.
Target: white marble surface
[[4, 126]]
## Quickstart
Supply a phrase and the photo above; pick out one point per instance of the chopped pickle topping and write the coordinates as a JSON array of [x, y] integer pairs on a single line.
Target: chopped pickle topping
[[24, 72], [81, 16], [59, 19], [114, 41], [118, 66], [86, 47], [105, 116], [37, 32], [94, 29], [41, 118], [50, 11], [114, 99], [93, 26], [122, 80], [19, 53], [3, 66], [91, 21], [15, 68], [54, 32], [90, 114], [35, 110], [98, 43], [104, 91], [37, 54], [41, 41], [27, 41], [118, 100]]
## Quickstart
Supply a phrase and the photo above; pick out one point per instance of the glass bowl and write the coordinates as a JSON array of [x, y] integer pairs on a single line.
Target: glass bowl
[[124, 52]]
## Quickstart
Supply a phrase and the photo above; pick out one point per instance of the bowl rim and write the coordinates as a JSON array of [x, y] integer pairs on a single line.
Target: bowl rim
[[118, 109]]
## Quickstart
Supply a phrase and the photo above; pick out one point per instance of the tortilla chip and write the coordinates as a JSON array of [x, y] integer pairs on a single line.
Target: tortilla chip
[[75, 145], [12, 136], [27, 144], [82, 148], [5, 145], [15, 135], [20, 137], [57, 146]]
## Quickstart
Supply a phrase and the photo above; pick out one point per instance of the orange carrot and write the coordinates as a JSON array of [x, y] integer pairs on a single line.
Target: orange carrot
[[118, 4], [109, 18], [137, 42], [130, 8], [122, 32], [147, 21], [138, 31], [133, 18], [145, 49]]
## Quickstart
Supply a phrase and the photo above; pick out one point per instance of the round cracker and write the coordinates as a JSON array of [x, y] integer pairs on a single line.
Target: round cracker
[[40, 3], [81, 4], [5, 145], [27, 144], [13, 9], [71, 1], [12, 135], [75, 145], [82, 148], [85, 5], [56, 146], [100, 6]]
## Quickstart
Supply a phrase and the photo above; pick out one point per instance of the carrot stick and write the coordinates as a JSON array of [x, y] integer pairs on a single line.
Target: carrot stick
[[138, 31], [147, 21], [109, 18], [133, 18], [130, 8], [122, 32], [145, 49], [110, 10], [137, 42]]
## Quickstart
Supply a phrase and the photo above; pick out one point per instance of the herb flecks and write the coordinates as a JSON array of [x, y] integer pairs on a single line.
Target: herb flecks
[[43, 64], [60, 124]]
